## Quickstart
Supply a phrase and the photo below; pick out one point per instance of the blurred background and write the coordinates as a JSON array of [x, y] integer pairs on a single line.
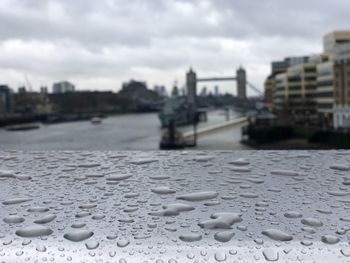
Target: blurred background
[[148, 75]]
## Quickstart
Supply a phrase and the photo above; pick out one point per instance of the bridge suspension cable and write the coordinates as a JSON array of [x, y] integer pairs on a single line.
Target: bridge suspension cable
[[251, 86]]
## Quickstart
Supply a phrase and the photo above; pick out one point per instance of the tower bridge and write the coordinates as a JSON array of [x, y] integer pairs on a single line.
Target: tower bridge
[[240, 78]]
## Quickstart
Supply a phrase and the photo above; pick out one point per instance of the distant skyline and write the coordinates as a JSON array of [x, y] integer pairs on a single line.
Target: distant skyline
[[100, 44]]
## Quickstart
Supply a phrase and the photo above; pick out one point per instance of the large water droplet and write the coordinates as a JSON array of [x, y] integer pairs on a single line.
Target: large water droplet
[[159, 177], [220, 256], [199, 196], [46, 219], [240, 161], [285, 173], [14, 201], [92, 244], [38, 209], [41, 248], [312, 222], [13, 219], [340, 167], [293, 214], [224, 236], [221, 220], [173, 210], [141, 161], [329, 239], [163, 190], [271, 254], [118, 177], [78, 235], [191, 237], [249, 195], [338, 193], [123, 243], [34, 231], [277, 235], [345, 252]]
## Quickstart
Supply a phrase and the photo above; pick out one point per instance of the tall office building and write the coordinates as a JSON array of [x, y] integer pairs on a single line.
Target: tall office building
[[204, 92], [341, 58], [44, 90], [63, 87], [216, 91], [191, 84], [241, 84], [5, 99]]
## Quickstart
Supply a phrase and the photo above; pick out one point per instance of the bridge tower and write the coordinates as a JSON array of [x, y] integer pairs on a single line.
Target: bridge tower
[[191, 84], [241, 84]]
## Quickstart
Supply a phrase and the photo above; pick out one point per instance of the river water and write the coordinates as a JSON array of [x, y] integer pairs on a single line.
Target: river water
[[121, 132]]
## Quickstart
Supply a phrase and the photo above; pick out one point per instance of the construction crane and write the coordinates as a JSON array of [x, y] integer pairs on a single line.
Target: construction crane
[[28, 84]]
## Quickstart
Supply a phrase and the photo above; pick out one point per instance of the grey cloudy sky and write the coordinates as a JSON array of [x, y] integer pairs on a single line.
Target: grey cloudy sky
[[98, 44]]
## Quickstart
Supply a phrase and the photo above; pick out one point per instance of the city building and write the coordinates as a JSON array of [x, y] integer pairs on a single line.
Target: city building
[[313, 88], [326, 77], [270, 85], [293, 92], [87, 102], [31, 102], [175, 91], [139, 97], [278, 67], [325, 93], [63, 87], [22, 90], [280, 93], [331, 40], [5, 99], [216, 91], [341, 58], [204, 92], [160, 90], [191, 84], [44, 90], [241, 84], [302, 83]]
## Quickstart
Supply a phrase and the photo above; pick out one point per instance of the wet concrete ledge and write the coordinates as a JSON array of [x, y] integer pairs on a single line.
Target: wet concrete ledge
[[222, 206]]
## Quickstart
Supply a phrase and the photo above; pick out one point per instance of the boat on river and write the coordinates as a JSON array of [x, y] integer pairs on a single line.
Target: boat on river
[[96, 120], [23, 127]]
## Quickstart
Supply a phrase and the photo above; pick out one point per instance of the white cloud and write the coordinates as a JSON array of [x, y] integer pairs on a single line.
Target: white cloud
[[99, 44]]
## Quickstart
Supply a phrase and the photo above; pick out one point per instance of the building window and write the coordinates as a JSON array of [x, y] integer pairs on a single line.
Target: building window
[[324, 83], [324, 94], [310, 70], [310, 78], [325, 106]]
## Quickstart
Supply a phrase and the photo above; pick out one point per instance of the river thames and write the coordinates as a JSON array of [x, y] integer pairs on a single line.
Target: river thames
[[120, 132]]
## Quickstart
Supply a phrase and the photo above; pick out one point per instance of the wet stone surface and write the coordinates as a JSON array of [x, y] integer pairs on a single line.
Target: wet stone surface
[[273, 206]]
